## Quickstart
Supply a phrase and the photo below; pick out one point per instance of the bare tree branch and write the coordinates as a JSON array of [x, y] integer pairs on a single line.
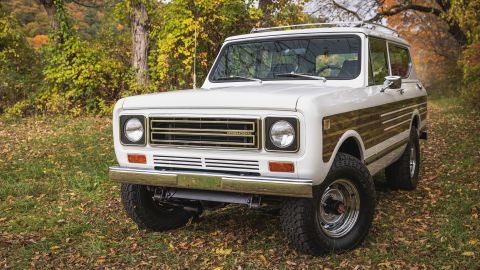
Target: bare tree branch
[[88, 5], [454, 28], [396, 9], [351, 12]]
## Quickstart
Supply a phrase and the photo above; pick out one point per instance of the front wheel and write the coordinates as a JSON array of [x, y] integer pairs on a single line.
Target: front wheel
[[149, 214], [339, 215]]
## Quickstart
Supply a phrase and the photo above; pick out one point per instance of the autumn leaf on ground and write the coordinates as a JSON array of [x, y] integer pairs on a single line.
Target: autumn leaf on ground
[[473, 242], [224, 252], [468, 253], [264, 260]]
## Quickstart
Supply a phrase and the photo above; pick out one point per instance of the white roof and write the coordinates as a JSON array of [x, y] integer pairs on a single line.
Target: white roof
[[319, 30]]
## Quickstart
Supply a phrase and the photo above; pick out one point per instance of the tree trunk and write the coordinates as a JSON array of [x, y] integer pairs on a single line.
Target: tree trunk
[[140, 41], [265, 6], [457, 33], [51, 9]]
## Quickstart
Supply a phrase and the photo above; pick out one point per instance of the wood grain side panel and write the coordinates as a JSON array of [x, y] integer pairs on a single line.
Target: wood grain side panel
[[374, 124]]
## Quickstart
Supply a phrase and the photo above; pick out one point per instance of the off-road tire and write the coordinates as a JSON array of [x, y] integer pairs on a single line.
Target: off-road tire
[[148, 214], [398, 174], [299, 216]]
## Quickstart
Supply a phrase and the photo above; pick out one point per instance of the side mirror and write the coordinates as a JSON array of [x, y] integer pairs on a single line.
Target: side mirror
[[392, 82]]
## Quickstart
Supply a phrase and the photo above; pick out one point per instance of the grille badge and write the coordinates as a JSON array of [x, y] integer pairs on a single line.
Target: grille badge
[[238, 133]]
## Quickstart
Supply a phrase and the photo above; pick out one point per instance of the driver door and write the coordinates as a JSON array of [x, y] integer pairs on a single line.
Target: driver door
[[382, 100]]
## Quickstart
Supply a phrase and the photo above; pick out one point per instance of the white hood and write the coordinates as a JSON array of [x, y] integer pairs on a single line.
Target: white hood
[[265, 96]]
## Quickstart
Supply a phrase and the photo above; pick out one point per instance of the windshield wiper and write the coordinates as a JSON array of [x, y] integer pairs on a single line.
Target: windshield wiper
[[301, 75], [236, 77]]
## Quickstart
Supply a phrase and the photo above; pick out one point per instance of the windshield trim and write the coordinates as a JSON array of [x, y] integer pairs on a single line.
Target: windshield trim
[[273, 38]]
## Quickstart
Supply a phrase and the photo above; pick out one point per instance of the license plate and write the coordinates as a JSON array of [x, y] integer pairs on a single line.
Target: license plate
[[199, 181]]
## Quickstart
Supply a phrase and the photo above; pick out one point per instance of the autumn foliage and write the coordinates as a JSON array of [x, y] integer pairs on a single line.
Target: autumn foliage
[[86, 65], [38, 41]]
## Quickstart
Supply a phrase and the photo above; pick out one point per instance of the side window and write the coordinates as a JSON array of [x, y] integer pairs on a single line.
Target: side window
[[378, 68], [399, 60]]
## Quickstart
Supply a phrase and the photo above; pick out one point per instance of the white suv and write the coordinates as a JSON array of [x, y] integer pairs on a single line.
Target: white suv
[[298, 115]]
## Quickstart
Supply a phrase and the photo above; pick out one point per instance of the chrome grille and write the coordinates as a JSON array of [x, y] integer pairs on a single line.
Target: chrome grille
[[231, 164], [240, 133], [177, 162], [200, 164]]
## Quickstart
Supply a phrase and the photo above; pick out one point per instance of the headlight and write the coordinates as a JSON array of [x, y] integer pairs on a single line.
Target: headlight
[[282, 134], [132, 129]]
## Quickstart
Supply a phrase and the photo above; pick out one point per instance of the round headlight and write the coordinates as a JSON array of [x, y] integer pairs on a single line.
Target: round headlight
[[133, 130], [282, 134]]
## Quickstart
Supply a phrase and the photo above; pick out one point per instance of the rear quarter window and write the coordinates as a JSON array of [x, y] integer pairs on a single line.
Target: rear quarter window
[[400, 61]]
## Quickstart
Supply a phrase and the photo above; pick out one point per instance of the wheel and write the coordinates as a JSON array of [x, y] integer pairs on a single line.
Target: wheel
[[148, 214], [339, 215], [403, 174]]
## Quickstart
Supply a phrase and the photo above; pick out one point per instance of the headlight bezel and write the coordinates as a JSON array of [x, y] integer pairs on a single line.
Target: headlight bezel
[[124, 139], [270, 146]]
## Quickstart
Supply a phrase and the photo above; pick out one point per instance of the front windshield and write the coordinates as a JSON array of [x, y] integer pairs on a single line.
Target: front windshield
[[331, 57]]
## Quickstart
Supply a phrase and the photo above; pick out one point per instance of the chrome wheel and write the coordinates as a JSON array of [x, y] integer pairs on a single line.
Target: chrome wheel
[[413, 160], [339, 208]]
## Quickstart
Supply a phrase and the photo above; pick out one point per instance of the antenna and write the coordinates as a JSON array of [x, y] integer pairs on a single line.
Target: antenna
[[195, 59]]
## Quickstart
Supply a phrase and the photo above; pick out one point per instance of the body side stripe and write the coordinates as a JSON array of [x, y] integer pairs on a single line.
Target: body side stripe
[[374, 124]]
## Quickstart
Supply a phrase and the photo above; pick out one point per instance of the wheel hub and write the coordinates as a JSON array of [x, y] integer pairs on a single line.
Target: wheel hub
[[413, 161], [339, 208], [333, 206]]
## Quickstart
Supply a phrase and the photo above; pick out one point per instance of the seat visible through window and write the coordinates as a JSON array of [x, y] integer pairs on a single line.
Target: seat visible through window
[[350, 69], [283, 68]]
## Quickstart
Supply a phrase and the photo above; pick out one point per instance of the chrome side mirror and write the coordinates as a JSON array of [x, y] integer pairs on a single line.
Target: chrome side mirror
[[392, 82]]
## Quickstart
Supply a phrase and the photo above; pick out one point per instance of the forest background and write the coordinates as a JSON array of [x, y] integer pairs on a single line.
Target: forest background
[[78, 57]]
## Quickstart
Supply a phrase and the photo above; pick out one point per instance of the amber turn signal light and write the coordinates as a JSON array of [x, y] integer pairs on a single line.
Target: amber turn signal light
[[137, 158], [277, 166]]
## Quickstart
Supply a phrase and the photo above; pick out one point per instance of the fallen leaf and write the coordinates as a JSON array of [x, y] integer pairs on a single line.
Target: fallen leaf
[[263, 259], [468, 253], [224, 252]]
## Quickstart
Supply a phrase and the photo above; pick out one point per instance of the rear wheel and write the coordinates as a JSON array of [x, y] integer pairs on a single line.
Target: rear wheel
[[149, 214], [339, 215], [403, 174]]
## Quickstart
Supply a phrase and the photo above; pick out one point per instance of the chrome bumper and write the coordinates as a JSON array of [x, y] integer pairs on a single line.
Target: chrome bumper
[[219, 182]]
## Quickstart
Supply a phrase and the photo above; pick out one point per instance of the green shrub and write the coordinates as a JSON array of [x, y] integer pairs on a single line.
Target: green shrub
[[82, 77], [470, 62], [20, 69]]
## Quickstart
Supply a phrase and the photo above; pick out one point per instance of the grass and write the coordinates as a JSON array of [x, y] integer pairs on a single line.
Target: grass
[[58, 209]]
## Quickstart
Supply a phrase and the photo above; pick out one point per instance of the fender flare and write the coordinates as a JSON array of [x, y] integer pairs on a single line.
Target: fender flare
[[416, 114], [347, 135]]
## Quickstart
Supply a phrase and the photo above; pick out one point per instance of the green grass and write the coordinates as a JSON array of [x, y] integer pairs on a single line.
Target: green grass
[[58, 209]]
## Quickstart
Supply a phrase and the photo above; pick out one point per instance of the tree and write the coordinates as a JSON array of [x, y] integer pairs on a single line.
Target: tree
[[282, 12], [439, 8], [265, 6], [376, 10], [139, 26], [19, 65], [51, 9]]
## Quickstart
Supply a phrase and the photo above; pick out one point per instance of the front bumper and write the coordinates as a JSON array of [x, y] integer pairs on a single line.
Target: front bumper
[[217, 182]]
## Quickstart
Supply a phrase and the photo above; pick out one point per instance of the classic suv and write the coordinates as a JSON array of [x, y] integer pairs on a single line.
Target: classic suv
[[302, 116]]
